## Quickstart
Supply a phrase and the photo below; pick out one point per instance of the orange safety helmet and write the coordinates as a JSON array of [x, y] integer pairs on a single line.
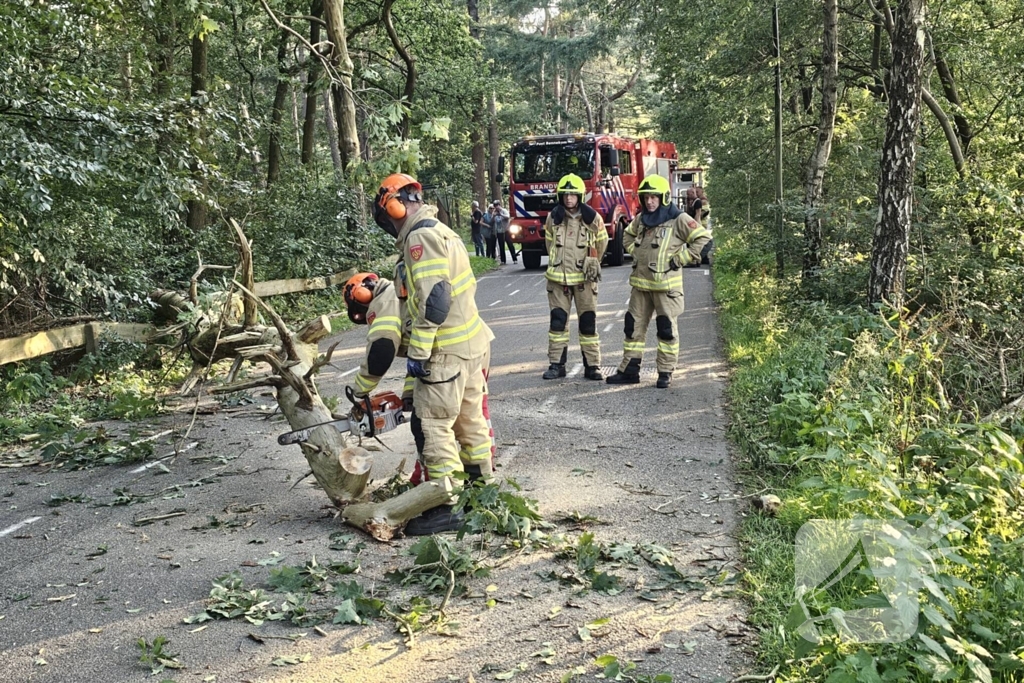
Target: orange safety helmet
[[387, 205], [358, 293]]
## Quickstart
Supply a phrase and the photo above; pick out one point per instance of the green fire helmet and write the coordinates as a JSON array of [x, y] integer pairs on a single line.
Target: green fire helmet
[[655, 184]]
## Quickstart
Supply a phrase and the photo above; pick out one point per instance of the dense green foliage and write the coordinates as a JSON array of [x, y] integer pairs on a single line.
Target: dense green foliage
[[845, 411]]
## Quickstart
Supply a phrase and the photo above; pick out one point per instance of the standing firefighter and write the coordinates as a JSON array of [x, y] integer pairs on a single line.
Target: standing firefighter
[[449, 344], [661, 239], [576, 239]]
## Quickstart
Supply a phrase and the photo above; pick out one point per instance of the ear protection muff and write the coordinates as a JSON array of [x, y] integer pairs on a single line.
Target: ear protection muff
[[388, 203]]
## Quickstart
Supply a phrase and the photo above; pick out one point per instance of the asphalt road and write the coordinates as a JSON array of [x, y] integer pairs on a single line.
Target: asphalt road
[[84, 575]]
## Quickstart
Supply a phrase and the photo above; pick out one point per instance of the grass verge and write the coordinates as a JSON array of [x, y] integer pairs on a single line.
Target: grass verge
[[844, 414]]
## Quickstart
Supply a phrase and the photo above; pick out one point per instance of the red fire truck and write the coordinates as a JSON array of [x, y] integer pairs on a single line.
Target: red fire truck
[[611, 168]]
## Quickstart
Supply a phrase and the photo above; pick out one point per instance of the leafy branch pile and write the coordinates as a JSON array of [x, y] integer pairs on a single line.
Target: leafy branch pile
[[420, 597]]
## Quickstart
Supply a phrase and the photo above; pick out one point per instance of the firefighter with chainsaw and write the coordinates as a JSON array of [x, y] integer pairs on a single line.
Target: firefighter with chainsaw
[[661, 239], [374, 301], [576, 239], [449, 345]]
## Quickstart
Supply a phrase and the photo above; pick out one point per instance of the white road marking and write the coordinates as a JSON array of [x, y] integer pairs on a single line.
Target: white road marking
[[510, 284], [14, 527], [542, 280], [156, 462], [609, 327], [575, 370], [347, 373], [707, 272], [514, 293], [494, 304], [627, 302], [621, 312]]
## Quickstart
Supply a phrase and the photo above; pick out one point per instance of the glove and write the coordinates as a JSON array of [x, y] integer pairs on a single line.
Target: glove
[[675, 263], [591, 269], [415, 368]]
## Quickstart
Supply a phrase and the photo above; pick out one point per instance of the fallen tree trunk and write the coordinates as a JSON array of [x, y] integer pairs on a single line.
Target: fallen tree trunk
[[342, 471]]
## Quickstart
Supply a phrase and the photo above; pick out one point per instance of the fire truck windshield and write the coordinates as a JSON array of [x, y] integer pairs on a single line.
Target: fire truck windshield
[[540, 163]]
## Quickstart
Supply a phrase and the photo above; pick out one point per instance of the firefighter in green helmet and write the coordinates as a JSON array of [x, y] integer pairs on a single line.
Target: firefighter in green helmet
[[661, 239], [576, 239]]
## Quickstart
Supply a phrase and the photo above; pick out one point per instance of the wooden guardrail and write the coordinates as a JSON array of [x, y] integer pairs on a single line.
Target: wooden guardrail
[[14, 349]]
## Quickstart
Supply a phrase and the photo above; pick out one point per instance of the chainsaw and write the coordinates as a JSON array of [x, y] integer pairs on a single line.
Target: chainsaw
[[370, 416]]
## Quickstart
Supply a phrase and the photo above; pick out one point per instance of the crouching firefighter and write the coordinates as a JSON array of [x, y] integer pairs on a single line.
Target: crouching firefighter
[[576, 240], [662, 239], [374, 301], [449, 345]]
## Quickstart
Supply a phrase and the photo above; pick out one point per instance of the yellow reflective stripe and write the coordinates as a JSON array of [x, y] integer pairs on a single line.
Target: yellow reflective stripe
[[458, 287], [438, 472], [365, 384], [436, 271], [699, 232], [446, 332], [587, 340], [674, 282], [633, 346], [469, 334], [562, 277], [410, 382], [631, 247], [558, 337], [429, 263], [668, 348], [392, 323]]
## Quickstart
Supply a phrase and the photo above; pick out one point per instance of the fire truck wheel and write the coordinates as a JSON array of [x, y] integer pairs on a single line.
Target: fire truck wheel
[[531, 260], [615, 251]]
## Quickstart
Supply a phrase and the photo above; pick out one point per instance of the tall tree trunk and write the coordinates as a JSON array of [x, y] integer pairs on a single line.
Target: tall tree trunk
[[891, 242], [274, 152], [345, 105], [878, 87], [586, 106], [780, 244], [963, 127], [332, 134], [556, 94], [197, 206], [602, 108], [813, 238], [163, 57], [316, 8], [492, 144], [476, 137], [410, 65]]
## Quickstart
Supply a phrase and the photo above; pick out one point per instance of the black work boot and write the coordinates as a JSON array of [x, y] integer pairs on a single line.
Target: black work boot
[[554, 371], [593, 372], [435, 521], [631, 375], [664, 379]]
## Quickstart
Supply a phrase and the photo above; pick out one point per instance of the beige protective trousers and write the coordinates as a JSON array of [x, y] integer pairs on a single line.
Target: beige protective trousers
[[560, 299], [449, 405], [642, 305]]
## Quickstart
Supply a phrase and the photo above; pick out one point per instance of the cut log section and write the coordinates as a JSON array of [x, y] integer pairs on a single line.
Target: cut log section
[[384, 520]]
